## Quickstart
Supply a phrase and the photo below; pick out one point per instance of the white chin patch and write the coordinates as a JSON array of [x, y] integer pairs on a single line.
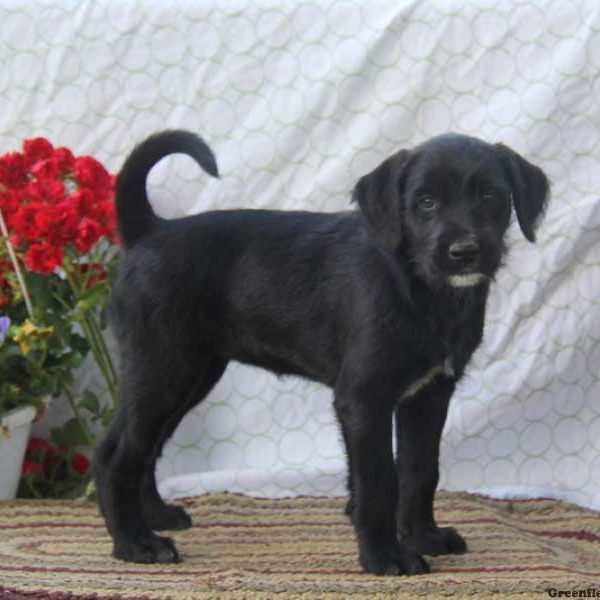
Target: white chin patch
[[471, 279]]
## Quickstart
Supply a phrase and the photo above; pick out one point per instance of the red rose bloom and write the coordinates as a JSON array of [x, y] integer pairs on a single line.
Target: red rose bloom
[[27, 221], [65, 160], [44, 258], [88, 233], [51, 199], [37, 149], [80, 463], [91, 173], [45, 169], [31, 468], [66, 219], [36, 444], [9, 203], [12, 170], [106, 215], [85, 201], [49, 191]]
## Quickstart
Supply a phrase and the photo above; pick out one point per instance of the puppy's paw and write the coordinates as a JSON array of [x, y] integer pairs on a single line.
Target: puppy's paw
[[148, 549], [167, 516], [396, 560], [435, 541]]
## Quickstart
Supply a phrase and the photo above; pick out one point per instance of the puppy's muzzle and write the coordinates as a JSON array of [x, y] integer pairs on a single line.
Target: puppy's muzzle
[[464, 253]]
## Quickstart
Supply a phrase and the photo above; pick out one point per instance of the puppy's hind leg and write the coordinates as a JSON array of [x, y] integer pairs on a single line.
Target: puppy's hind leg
[[148, 389], [103, 456], [157, 512], [349, 508]]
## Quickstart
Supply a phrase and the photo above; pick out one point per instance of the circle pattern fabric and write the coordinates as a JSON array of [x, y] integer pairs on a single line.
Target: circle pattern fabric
[[300, 99]]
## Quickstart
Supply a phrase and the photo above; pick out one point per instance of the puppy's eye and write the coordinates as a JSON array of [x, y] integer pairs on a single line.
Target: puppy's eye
[[488, 196], [427, 203]]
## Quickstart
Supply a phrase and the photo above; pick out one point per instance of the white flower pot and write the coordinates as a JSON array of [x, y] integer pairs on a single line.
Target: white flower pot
[[14, 434]]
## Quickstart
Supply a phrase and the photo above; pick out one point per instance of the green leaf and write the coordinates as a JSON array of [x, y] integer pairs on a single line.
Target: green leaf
[[11, 350], [71, 434], [90, 401], [79, 343], [107, 416], [91, 297], [39, 288]]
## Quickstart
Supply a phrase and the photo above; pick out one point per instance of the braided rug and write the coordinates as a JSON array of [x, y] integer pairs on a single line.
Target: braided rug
[[244, 547]]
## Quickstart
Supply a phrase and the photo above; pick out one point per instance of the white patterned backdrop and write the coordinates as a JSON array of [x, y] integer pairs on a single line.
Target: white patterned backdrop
[[298, 99]]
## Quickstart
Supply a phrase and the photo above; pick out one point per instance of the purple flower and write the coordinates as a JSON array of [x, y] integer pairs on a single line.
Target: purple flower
[[4, 326]]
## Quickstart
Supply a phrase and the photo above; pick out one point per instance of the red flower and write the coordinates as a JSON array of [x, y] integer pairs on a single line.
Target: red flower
[[44, 258], [66, 161], [37, 149], [12, 170], [36, 221], [90, 173], [51, 199], [36, 444], [31, 468], [80, 463], [43, 452], [88, 233], [28, 221], [106, 215], [45, 169], [49, 191], [84, 199], [65, 219], [9, 203]]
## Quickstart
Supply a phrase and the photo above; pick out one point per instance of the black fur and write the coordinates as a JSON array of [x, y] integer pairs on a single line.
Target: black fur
[[367, 302]]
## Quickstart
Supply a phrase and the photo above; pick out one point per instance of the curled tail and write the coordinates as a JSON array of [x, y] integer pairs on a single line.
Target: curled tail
[[134, 213]]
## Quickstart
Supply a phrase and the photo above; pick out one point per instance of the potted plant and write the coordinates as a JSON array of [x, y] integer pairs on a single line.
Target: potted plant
[[27, 379], [57, 254], [13, 439]]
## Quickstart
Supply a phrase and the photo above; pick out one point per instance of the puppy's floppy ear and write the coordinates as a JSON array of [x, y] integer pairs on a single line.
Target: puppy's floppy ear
[[379, 197], [530, 189]]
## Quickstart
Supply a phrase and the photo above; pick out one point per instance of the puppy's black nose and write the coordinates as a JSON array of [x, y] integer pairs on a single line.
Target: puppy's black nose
[[464, 250]]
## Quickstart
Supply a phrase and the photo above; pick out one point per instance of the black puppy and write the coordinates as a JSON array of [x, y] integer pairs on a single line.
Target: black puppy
[[385, 305]]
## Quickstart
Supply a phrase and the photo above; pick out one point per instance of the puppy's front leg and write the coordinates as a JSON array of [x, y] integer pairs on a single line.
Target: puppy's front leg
[[419, 423], [367, 429]]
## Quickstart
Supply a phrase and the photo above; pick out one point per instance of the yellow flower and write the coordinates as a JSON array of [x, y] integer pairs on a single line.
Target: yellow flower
[[28, 332]]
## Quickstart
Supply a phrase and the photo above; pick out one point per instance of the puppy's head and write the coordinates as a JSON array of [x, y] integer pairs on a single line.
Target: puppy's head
[[447, 203]]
